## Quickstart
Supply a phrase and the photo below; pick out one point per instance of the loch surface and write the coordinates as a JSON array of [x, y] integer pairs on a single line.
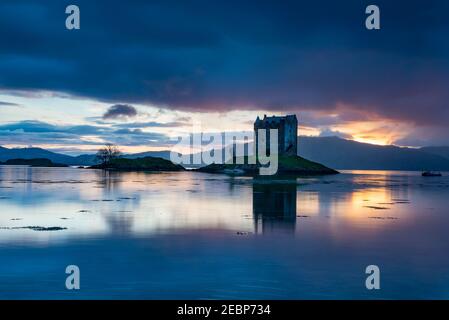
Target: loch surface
[[187, 235]]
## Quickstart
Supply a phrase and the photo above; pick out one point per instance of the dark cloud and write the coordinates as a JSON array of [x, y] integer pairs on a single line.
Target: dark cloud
[[221, 55], [120, 111], [9, 104]]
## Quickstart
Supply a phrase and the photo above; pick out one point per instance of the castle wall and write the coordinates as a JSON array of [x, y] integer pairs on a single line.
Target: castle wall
[[287, 133], [291, 138]]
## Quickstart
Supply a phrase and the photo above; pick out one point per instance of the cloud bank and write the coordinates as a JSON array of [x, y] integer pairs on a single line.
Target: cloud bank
[[282, 56], [37, 132]]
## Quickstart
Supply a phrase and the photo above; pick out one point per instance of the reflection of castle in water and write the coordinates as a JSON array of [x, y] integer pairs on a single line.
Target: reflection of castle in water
[[274, 206]]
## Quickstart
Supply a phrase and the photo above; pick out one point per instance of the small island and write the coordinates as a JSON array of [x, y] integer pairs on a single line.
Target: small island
[[287, 165], [38, 162], [110, 158], [139, 164]]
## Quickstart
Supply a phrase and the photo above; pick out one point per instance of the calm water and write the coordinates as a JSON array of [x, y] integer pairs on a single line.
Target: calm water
[[199, 236]]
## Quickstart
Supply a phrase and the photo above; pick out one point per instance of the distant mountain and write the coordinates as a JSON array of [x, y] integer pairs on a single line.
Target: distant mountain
[[158, 154], [34, 153], [440, 151], [84, 159], [339, 153], [33, 163], [332, 152]]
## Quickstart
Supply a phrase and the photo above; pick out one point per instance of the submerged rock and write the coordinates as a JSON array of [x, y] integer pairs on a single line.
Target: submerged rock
[[35, 228], [38, 228], [376, 207]]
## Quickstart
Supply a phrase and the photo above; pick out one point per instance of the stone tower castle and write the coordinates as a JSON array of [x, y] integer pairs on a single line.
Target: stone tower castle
[[287, 133]]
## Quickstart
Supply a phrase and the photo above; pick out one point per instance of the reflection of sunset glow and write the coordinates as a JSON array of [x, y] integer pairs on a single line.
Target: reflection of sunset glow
[[361, 199], [308, 203], [93, 202]]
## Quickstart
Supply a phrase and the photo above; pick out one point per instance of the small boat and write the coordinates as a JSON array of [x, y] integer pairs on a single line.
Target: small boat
[[431, 174]]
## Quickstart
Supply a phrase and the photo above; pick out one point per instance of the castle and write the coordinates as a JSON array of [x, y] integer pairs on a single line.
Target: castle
[[287, 133]]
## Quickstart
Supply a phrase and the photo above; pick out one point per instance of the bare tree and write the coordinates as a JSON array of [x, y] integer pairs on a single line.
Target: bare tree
[[108, 153]]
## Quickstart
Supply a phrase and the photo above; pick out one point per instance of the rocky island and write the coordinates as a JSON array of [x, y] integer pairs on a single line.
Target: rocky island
[[139, 164], [287, 151], [287, 165]]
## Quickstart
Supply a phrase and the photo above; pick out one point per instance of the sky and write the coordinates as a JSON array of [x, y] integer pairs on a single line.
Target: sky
[[140, 73]]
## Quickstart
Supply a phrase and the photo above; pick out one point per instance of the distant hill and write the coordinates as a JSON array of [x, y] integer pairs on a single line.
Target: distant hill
[[33, 163], [339, 153], [158, 154], [81, 160], [34, 153], [332, 152], [440, 151]]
